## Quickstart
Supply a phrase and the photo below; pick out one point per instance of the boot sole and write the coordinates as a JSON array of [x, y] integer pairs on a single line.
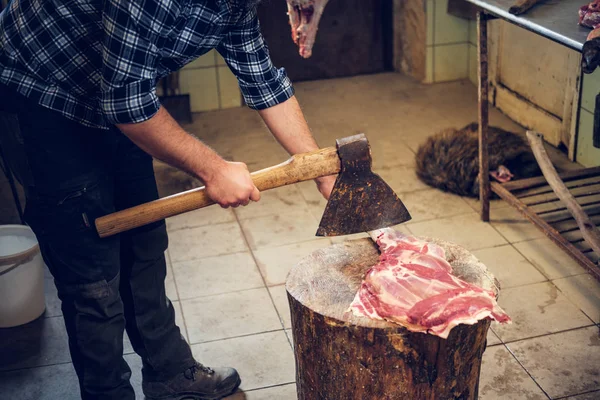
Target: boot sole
[[195, 396]]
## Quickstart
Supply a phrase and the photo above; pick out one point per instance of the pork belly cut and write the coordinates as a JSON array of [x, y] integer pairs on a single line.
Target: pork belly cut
[[412, 285]]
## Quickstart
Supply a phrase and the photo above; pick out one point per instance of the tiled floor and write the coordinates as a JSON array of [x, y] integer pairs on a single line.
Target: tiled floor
[[227, 268]]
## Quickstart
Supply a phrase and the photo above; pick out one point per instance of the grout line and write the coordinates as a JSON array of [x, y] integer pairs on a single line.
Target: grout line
[[526, 371], [430, 219], [178, 296], [572, 396], [261, 275], [267, 387], [213, 256], [534, 264], [223, 293], [34, 367], [207, 258], [238, 337], [199, 226], [547, 334]]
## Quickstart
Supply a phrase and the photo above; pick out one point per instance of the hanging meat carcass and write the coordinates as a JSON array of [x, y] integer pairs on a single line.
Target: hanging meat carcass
[[304, 18]]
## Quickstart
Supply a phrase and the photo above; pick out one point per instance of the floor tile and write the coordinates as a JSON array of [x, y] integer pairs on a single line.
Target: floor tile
[[261, 360], [284, 392], [401, 179], [40, 342], [466, 230], [179, 321], [583, 291], [391, 152], [514, 227], [276, 262], [290, 336], [135, 364], [549, 259], [588, 396], [206, 241], [43, 383], [309, 191], [431, 204], [279, 201], [51, 299], [492, 338], [279, 295], [278, 230], [315, 202], [208, 216], [535, 310], [503, 378], [127, 346], [214, 275], [509, 266], [495, 204], [564, 364], [228, 315]]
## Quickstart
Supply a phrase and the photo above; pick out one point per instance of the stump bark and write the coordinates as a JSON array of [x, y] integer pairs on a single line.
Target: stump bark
[[340, 356]]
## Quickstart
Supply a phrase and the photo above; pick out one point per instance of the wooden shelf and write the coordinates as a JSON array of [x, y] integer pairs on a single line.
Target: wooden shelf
[[535, 199]]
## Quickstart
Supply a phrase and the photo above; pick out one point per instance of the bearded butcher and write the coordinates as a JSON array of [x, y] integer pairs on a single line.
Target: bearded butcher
[[78, 78]]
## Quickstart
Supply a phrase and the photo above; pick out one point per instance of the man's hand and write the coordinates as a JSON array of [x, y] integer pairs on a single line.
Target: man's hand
[[231, 185], [325, 185]]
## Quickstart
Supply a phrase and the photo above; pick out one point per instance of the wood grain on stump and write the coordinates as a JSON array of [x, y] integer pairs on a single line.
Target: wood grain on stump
[[340, 356]]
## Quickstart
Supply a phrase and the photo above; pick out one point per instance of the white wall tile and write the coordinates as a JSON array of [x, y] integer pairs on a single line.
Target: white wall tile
[[451, 62], [448, 28], [201, 85]]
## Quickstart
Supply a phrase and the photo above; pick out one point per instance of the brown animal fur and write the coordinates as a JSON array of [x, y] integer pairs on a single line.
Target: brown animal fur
[[449, 160]]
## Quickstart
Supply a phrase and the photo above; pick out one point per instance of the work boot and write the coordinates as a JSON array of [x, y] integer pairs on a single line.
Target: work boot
[[195, 383]]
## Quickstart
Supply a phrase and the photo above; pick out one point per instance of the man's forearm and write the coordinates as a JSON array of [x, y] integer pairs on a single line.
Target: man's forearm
[[287, 124], [163, 138]]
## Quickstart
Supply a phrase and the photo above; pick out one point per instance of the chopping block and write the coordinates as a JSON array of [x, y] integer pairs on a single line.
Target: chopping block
[[340, 356]]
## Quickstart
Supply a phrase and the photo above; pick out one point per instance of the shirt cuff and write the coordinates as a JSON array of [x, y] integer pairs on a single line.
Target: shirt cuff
[[261, 95], [133, 103]]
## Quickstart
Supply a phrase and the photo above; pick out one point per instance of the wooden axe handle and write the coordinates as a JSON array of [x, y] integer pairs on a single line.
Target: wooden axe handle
[[300, 167]]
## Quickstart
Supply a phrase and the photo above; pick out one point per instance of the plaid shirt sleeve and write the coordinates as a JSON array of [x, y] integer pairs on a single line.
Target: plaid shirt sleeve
[[129, 58], [247, 55]]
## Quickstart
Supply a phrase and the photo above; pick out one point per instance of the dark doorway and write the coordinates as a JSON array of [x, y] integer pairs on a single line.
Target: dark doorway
[[354, 38]]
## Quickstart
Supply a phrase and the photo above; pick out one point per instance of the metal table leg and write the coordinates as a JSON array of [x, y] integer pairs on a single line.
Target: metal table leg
[[482, 72]]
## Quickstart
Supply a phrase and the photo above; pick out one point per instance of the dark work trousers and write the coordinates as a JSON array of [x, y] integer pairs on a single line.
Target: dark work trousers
[[72, 175]]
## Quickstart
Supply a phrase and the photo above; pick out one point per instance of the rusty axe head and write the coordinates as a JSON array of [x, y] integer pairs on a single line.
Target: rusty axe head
[[360, 200]]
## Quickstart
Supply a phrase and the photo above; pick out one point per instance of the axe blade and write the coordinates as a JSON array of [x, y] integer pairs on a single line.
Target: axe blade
[[360, 201]]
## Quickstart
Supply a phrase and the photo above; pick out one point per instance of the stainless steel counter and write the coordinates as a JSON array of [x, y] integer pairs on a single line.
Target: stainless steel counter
[[554, 19]]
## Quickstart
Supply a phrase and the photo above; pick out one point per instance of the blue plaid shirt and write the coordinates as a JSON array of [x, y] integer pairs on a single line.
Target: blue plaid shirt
[[98, 61]]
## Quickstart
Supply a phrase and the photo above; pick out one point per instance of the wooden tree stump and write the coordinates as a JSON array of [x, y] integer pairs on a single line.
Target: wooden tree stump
[[340, 356]]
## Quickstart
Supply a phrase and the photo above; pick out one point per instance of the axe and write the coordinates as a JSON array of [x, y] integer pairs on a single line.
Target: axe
[[359, 202]]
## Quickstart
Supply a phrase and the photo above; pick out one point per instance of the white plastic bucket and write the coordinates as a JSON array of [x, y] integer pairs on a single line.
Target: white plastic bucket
[[21, 276]]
